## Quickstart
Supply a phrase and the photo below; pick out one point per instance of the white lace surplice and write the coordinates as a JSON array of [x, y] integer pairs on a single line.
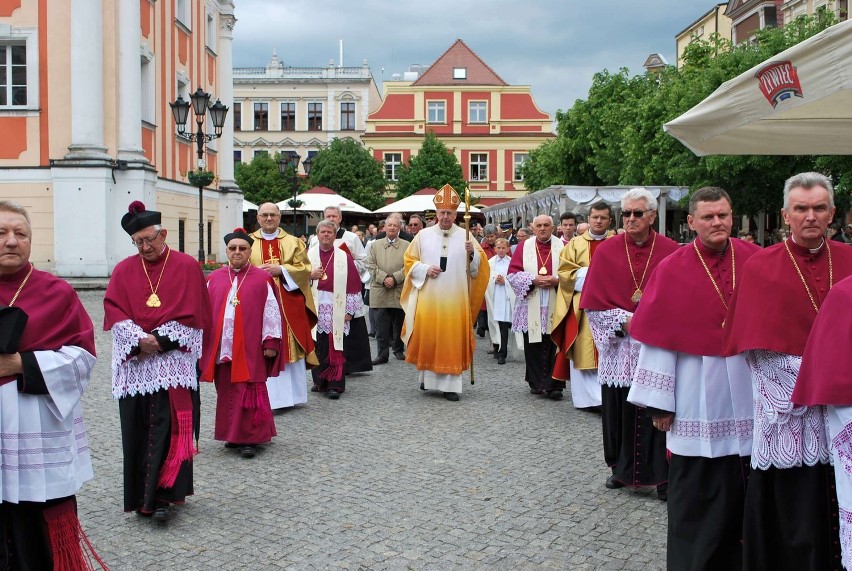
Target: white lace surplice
[[785, 435], [840, 431], [325, 310], [44, 448], [710, 396], [140, 376], [617, 356]]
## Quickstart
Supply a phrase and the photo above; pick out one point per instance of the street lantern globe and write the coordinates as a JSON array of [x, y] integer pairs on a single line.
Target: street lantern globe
[[293, 160], [306, 164], [180, 111], [283, 164], [200, 102], [218, 112]]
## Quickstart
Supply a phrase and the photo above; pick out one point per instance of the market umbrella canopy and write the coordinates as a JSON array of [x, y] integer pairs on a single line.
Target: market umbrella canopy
[[798, 102], [319, 198], [420, 201], [249, 206]]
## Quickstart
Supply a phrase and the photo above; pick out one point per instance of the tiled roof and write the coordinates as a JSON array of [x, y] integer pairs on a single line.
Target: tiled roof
[[459, 56]]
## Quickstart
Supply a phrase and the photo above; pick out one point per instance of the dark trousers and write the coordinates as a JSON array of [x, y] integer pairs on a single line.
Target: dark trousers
[[482, 319], [633, 448], [501, 350], [706, 503], [791, 520], [388, 329], [322, 349], [539, 360]]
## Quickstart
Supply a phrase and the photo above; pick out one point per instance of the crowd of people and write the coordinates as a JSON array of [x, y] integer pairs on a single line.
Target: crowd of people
[[719, 377]]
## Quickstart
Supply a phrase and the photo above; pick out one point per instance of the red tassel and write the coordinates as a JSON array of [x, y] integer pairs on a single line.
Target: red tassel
[[336, 360], [255, 399], [180, 450], [68, 541]]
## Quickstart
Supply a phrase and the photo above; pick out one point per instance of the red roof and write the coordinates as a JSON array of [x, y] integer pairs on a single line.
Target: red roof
[[427, 190], [319, 190], [459, 56]]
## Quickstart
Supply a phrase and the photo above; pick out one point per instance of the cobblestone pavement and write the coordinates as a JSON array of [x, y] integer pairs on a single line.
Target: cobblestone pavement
[[387, 477]]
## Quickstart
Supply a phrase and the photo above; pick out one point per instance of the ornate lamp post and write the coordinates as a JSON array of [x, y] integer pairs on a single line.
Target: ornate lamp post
[[289, 164], [200, 177]]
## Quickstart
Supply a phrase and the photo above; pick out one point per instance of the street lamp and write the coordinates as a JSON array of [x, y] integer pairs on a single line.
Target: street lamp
[[201, 177], [289, 163]]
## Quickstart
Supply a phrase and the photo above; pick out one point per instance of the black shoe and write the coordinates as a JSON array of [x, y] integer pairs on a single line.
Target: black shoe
[[501, 360], [536, 391], [247, 451], [451, 396], [399, 355], [553, 395], [334, 395], [480, 331], [380, 361], [613, 484], [422, 387], [231, 445], [162, 513], [663, 492]]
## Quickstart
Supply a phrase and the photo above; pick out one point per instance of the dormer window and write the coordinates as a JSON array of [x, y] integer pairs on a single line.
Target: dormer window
[[459, 73]]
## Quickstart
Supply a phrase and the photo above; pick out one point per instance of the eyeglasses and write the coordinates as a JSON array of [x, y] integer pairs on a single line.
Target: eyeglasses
[[237, 248], [146, 241], [269, 215], [634, 213]]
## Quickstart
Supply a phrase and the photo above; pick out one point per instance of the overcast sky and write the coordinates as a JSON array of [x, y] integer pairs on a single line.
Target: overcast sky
[[554, 46]]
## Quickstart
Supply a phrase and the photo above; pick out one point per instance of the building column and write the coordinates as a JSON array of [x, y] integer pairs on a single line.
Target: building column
[[87, 80], [129, 36], [230, 195]]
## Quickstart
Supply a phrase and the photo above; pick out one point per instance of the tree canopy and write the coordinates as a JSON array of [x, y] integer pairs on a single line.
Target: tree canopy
[[615, 136], [260, 180], [349, 169], [432, 167]]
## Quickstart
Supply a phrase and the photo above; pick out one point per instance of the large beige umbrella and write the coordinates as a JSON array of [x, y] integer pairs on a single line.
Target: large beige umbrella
[[796, 103], [320, 197], [420, 201]]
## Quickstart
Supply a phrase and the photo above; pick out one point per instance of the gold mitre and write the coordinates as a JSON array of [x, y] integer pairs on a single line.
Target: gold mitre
[[447, 198]]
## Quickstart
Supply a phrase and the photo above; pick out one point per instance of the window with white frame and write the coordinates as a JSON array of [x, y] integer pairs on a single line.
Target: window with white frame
[[257, 153], [183, 12], [314, 116], [148, 87], [288, 116], [238, 115], [13, 74], [479, 166], [347, 116], [477, 112], [519, 159], [261, 116], [238, 156], [393, 161], [436, 111], [19, 68], [210, 40]]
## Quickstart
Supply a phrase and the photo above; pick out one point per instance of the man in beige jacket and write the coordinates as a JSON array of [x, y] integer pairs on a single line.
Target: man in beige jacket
[[385, 262]]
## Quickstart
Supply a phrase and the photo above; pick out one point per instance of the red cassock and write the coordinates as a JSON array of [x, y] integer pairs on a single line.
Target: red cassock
[[668, 316]]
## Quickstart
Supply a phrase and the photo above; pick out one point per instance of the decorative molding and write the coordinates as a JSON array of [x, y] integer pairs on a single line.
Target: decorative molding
[[227, 22]]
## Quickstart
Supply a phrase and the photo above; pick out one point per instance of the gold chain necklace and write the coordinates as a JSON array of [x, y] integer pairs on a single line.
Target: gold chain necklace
[[21, 287], [637, 293], [236, 300], [543, 271], [324, 275], [802, 277], [712, 280], [154, 299]]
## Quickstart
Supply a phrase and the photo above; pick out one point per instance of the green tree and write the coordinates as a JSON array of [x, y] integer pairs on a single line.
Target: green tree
[[432, 167], [260, 180], [349, 169]]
